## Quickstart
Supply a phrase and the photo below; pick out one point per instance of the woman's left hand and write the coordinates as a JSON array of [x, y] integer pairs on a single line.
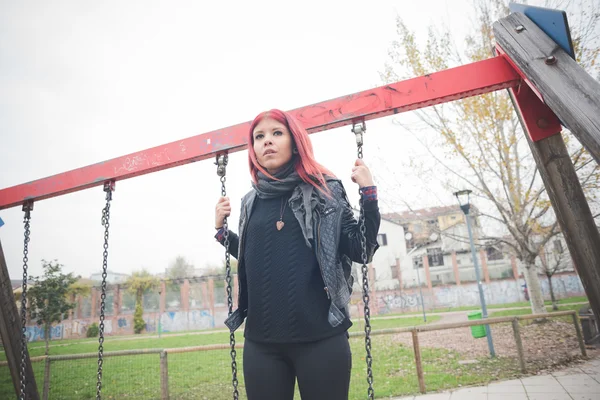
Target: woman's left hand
[[361, 174]]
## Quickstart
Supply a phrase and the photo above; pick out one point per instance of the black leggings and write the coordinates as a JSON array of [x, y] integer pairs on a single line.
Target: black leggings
[[322, 368]]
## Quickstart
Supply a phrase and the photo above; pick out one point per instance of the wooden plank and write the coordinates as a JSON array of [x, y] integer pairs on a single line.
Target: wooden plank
[[561, 83], [572, 212], [451, 84], [568, 201], [10, 332]]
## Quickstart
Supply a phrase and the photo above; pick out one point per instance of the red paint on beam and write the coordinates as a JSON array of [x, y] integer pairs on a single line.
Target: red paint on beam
[[539, 120], [436, 88]]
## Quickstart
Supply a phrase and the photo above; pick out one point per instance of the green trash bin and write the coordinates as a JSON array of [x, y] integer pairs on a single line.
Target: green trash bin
[[478, 331]]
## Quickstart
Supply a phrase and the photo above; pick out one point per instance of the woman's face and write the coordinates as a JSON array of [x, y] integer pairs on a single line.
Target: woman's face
[[272, 145]]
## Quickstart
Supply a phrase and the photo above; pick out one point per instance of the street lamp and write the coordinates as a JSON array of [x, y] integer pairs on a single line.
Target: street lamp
[[463, 197], [408, 236]]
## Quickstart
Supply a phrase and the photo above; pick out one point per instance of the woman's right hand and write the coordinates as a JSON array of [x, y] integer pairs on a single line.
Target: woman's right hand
[[222, 210]]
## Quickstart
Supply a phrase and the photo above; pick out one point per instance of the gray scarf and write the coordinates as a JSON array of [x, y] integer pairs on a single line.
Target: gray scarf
[[267, 188]]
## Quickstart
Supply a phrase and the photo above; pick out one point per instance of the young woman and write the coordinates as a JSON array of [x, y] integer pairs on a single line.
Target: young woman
[[295, 245]]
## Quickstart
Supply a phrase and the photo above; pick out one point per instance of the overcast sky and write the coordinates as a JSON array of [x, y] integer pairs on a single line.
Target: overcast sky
[[82, 82]]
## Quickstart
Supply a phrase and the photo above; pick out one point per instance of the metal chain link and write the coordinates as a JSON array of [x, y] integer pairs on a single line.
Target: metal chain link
[[108, 188], [358, 131], [27, 207], [221, 171]]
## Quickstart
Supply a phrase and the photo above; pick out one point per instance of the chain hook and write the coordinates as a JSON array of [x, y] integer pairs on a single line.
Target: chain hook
[[359, 128], [222, 160]]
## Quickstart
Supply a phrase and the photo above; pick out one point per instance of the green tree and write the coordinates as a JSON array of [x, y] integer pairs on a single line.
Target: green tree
[[137, 284], [48, 297], [180, 268], [478, 142]]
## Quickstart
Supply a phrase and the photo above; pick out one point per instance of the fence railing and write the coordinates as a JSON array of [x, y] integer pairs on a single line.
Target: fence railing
[[147, 386]]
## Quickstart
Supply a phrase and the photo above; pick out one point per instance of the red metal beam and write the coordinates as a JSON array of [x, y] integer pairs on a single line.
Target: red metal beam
[[440, 87], [539, 120]]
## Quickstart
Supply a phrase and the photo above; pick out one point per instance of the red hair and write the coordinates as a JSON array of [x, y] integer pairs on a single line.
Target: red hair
[[309, 170]]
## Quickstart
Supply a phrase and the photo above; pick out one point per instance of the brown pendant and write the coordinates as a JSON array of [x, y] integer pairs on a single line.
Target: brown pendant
[[280, 225]]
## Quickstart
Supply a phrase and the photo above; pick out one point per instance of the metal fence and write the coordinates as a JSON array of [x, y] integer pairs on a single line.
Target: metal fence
[[406, 361]]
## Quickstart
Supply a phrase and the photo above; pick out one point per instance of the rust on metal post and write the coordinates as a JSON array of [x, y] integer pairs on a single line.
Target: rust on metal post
[[436, 88]]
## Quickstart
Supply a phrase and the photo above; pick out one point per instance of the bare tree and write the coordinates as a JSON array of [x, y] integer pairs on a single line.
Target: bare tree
[[478, 142], [552, 262]]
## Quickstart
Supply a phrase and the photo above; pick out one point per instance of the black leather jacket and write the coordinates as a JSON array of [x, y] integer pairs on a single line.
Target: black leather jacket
[[336, 244]]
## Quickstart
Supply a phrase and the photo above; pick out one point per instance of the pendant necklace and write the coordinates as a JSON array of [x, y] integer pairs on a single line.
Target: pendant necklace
[[280, 224]]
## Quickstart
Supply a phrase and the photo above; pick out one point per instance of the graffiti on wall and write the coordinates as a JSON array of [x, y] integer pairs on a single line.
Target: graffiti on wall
[[388, 302], [174, 321], [37, 332]]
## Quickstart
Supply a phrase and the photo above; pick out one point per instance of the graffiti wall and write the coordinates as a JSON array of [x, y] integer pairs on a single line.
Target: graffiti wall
[[170, 321], [383, 302], [497, 292], [36, 332]]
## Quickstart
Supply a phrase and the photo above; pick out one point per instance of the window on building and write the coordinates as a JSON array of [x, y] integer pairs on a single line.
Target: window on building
[[382, 239], [435, 257], [494, 254], [558, 247]]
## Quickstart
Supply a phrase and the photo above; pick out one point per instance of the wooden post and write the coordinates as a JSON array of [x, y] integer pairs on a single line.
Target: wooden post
[[46, 379], [566, 88], [520, 352], [10, 332], [164, 376], [579, 335], [417, 350], [575, 98]]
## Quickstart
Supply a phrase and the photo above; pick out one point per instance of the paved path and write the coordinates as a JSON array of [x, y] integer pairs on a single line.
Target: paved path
[[574, 383]]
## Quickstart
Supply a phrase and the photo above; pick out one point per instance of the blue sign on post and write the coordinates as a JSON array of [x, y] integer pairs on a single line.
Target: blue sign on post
[[553, 22]]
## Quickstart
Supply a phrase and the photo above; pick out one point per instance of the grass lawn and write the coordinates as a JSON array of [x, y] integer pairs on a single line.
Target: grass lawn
[[207, 374], [189, 373], [506, 313]]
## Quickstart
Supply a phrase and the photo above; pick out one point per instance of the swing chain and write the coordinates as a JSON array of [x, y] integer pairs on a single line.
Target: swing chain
[[27, 208], [358, 130], [109, 187], [221, 163]]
